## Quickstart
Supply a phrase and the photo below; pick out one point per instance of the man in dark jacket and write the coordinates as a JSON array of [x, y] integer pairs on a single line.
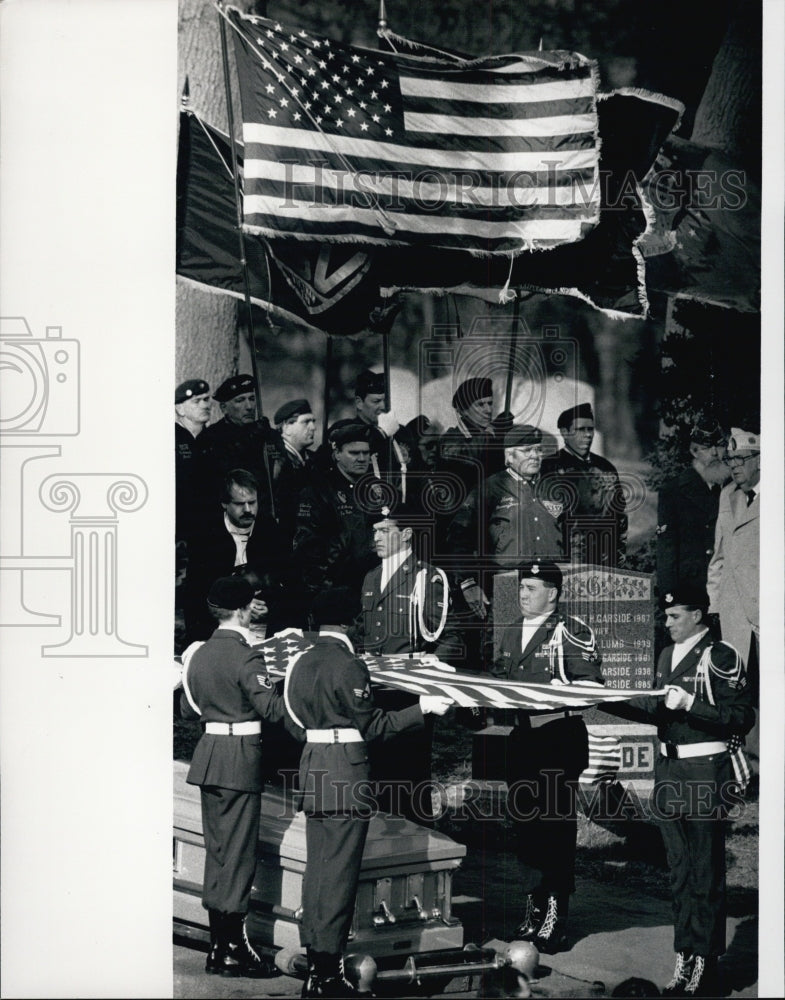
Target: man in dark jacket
[[687, 513], [595, 522], [328, 693], [225, 685], [548, 750], [707, 707], [232, 535]]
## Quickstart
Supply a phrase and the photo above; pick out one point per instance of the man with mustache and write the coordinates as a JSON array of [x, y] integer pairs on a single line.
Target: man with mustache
[[687, 512]]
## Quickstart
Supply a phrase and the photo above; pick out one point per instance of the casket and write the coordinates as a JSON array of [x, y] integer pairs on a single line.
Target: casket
[[404, 899]]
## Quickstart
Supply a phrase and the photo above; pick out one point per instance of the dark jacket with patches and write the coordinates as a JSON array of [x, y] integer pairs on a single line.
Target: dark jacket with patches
[[228, 681], [327, 687], [686, 519]]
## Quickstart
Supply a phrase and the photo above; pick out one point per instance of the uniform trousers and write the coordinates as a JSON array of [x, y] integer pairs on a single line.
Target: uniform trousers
[[544, 765], [334, 845], [230, 820], [401, 766], [691, 820]]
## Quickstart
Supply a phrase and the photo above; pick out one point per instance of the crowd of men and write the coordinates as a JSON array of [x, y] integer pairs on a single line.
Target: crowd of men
[[342, 536]]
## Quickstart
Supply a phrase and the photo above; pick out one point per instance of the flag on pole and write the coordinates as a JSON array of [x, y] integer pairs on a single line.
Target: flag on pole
[[492, 155]]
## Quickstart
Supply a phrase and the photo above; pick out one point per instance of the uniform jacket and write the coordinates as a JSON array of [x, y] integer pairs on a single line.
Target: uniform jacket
[[686, 519], [333, 541], [290, 478], [228, 681], [185, 495], [471, 453], [734, 570], [505, 524], [732, 712], [383, 626], [212, 553], [579, 659], [591, 491], [326, 687]]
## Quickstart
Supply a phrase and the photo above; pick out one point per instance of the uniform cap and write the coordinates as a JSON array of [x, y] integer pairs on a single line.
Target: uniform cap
[[342, 433], [234, 386], [541, 569], [685, 594], [521, 435], [470, 391], [582, 411], [293, 408], [187, 390], [368, 382], [230, 593], [743, 440], [403, 514], [707, 435]]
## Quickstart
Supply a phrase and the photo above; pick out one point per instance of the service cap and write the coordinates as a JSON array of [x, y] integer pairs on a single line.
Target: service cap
[[541, 569], [230, 593], [234, 386], [293, 408], [190, 388]]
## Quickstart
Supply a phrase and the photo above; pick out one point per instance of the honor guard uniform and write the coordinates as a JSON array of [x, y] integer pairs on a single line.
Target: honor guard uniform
[[706, 711], [405, 609], [225, 686], [328, 692], [547, 750]]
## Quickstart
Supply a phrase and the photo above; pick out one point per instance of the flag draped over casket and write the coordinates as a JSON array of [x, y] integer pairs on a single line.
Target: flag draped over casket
[[492, 155]]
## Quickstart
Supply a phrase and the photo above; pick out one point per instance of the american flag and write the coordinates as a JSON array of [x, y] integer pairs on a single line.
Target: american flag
[[496, 155], [466, 690]]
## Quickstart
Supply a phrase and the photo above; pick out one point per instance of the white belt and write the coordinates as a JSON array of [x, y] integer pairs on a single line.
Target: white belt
[[252, 728], [679, 751], [543, 718], [333, 736]]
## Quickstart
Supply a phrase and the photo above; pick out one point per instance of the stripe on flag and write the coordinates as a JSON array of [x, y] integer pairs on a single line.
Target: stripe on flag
[[494, 155], [604, 759]]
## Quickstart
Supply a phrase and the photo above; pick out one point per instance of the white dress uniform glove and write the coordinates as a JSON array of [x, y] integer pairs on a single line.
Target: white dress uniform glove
[[434, 704], [676, 698], [433, 661]]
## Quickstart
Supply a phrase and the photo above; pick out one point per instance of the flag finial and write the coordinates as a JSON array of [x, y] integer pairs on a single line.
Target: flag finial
[[541, 43], [185, 98], [382, 18]]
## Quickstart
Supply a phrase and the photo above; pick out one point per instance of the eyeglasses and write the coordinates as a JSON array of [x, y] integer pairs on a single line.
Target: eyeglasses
[[736, 460]]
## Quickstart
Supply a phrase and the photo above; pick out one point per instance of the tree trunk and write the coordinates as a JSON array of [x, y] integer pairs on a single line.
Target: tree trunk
[[207, 339]]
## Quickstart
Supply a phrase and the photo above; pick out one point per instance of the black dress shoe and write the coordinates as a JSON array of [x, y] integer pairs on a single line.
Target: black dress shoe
[[704, 981], [237, 957], [551, 935]]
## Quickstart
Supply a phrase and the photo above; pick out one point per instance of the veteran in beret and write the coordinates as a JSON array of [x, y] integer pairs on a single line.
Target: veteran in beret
[[548, 750], [192, 405], [687, 509], [473, 447], [701, 720], [226, 687], [595, 520], [237, 441]]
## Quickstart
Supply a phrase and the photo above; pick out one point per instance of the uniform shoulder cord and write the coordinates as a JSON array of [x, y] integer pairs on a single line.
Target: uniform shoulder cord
[[417, 623]]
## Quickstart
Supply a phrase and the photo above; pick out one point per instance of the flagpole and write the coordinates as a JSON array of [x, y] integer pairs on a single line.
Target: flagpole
[[511, 359], [386, 366], [239, 208], [327, 362]]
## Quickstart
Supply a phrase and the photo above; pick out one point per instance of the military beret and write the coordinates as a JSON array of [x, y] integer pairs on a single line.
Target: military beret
[[187, 390], [470, 391], [582, 411], [368, 382], [687, 595], [230, 593], [291, 409], [342, 432], [335, 606], [707, 435], [743, 440], [541, 569], [522, 435], [234, 386]]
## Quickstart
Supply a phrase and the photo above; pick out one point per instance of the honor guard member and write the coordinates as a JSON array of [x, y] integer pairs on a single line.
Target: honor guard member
[[706, 711], [595, 522], [506, 523], [192, 402], [328, 692], [405, 609], [547, 750], [237, 441], [687, 512], [333, 540], [225, 686]]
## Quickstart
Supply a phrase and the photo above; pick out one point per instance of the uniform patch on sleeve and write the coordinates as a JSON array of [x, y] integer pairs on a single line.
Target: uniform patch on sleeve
[[364, 693], [661, 529], [263, 681]]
